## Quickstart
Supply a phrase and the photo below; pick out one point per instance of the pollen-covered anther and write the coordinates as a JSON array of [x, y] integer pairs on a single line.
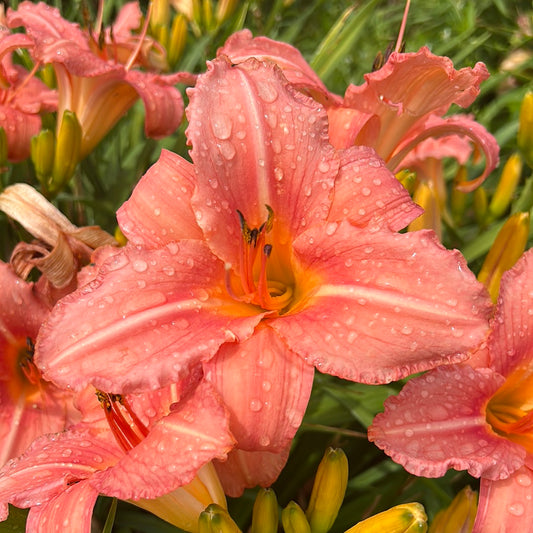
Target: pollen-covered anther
[[125, 425], [257, 287]]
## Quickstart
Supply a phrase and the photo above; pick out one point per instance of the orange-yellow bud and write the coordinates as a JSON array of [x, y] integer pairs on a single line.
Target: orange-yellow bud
[[405, 518], [265, 517], [525, 129], [508, 246], [426, 197], [294, 520], [459, 516], [510, 177]]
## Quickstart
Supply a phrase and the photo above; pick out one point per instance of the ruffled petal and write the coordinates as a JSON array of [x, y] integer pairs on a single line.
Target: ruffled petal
[[163, 103], [386, 305], [241, 46], [70, 511], [256, 142], [20, 128], [52, 464], [146, 319], [367, 194], [409, 87], [438, 422], [505, 506], [266, 388], [159, 210], [178, 445], [249, 469], [510, 342]]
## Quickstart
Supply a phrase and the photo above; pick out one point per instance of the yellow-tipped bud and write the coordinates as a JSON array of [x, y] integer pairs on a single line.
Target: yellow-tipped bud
[[3, 147], [505, 251], [48, 76], [481, 206], [459, 516], [42, 155], [207, 15], [120, 237], [265, 516], [458, 199], [405, 518], [294, 520], [177, 39], [426, 197], [224, 10], [503, 195], [328, 490], [525, 129], [160, 14], [67, 152], [408, 179], [216, 519]]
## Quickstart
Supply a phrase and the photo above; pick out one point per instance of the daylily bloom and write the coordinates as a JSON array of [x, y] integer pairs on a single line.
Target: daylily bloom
[[398, 109], [400, 105], [31, 406], [476, 418], [152, 449], [22, 98], [270, 255], [92, 81]]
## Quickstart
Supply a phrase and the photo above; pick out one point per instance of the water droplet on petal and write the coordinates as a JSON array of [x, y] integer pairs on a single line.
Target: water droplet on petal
[[139, 265], [516, 509], [266, 91], [255, 405], [221, 126]]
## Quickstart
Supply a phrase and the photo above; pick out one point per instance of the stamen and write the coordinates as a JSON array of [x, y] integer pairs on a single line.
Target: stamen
[[127, 434], [30, 371], [142, 36]]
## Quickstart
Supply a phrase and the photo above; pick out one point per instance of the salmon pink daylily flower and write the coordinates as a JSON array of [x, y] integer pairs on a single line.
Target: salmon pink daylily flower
[[270, 255], [398, 108], [22, 98], [152, 449], [477, 418], [31, 406], [92, 81]]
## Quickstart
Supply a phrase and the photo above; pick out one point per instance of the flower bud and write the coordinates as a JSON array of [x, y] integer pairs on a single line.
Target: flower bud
[[408, 179], [481, 206], [426, 197], [265, 516], [459, 516], [3, 147], [177, 39], [458, 198], [328, 490], [215, 519], [42, 155], [67, 152], [160, 14], [224, 10], [294, 520], [507, 186], [508, 246], [525, 129], [405, 518]]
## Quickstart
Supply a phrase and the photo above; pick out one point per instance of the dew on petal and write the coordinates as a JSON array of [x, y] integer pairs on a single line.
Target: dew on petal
[[255, 405], [139, 265], [516, 509], [221, 126]]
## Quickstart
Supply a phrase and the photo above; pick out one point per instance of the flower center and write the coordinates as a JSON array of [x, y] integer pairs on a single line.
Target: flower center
[[264, 278], [26, 378], [510, 410], [125, 425]]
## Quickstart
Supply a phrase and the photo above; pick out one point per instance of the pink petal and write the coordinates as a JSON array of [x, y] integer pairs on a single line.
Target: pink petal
[[349, 126], [44, 23], [159, 210], [146, 319], [510, 342], [457, 125], [366, 193], [505, 506], [53, 463], [241, 46], [20, 128], [266, 388], [388, 304], [163, 103], [248, 469], [409, 87], [70, 511], [193, 434], [256, 142], [438, 422]]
